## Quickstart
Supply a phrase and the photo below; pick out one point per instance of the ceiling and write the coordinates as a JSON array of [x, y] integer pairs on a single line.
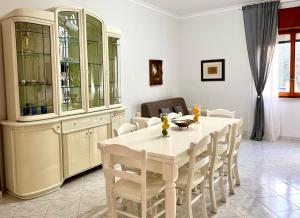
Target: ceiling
[[182, 8], [188, 7]]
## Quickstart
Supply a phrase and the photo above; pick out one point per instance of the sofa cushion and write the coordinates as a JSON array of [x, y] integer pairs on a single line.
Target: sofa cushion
[[152, 109], [164, 110], [178, 109]]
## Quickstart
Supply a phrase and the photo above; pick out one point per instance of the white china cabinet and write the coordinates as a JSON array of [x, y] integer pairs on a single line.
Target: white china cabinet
[[62, 77]]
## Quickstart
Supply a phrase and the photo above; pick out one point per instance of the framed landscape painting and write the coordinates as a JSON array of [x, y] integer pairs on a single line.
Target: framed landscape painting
[[155, 72], [213, 70]]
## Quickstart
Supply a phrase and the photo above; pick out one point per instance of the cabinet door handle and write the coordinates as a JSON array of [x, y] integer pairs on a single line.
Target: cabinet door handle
[[87, 133], [91, 133], [57, 129]]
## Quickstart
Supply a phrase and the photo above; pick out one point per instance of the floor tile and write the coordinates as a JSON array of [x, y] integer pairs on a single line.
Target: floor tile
[[277, 204], [295, 199], [283, 188], [289, 214]]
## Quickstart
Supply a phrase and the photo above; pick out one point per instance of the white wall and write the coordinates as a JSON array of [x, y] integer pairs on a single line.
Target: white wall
[[290, 117], [218, 36], [145, 35]]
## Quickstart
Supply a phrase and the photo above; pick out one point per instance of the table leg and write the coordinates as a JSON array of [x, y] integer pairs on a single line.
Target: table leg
[[170, 175]]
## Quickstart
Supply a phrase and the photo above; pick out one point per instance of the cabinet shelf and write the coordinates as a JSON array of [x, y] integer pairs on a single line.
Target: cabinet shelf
[[34, 84], [94, 41], [32, 54], [95, 64], [70, 61], [70, 87], [29, 31]]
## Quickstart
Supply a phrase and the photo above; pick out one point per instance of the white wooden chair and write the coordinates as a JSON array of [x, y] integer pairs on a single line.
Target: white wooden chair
[[217, 155], [220, 113], [153, 121], [129, 185], [195, 175], [124, 129], [232, 165]]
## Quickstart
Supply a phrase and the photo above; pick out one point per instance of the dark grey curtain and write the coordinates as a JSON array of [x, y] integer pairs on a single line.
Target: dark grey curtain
[[260, 22]]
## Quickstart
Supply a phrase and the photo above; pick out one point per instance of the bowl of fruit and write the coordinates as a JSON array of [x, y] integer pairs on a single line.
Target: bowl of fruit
[[183, 123]]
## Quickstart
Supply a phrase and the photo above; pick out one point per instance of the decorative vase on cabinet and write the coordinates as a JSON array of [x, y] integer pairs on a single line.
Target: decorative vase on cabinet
[[113, 38], [29, 65]]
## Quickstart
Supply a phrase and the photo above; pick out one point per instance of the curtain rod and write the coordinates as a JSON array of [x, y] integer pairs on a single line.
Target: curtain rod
[[259, 2]]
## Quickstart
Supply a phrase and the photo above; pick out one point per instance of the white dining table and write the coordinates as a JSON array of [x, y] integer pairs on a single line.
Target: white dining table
[[166, 154]]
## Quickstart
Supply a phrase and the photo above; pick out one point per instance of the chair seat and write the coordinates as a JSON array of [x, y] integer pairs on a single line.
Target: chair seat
[[133, 191], [181, 183]]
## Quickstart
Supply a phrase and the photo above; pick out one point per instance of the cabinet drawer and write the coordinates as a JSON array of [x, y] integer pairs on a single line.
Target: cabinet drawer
[[84, 123]]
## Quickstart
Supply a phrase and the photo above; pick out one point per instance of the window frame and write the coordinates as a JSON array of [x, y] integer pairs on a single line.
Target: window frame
[[291, 93]]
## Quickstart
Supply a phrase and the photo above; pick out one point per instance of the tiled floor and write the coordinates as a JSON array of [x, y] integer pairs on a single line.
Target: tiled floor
[[270, 187]]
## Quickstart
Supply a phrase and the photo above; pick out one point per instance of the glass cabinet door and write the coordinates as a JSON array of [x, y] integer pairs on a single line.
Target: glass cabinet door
[[114, 71], [33, 47], [69, 56], [94, 40]]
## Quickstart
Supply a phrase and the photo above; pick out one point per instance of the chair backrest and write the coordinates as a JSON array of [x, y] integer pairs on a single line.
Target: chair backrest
[[153, 121], [221, 113], [198, 159], [218, 136], [236, 138], [115, 155], [124, 129]]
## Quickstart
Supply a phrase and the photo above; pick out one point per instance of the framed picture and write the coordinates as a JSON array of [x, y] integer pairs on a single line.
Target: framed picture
[[213, 70], [155, 72]]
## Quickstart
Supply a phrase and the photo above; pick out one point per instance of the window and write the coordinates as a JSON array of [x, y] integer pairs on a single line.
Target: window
[[289, 52], [289, 63]]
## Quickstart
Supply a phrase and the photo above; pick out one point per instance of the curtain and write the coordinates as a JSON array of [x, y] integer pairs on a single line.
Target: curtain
[[272, 115], [260, 21]]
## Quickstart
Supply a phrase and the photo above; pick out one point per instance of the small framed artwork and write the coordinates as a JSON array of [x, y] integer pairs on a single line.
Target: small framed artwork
[[213, 70], [155, 72]]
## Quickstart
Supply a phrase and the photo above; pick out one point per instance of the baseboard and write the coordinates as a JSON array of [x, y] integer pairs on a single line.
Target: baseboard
[[290, 138]]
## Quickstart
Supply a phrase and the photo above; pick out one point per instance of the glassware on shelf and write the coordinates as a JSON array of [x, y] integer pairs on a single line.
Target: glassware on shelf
[[69, 53], [34, 63]]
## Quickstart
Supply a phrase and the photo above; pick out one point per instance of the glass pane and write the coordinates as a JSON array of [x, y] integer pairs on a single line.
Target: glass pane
[[34, 68], [114, 73], [69, 54], [297, 63], [95, 62], [284, 51]]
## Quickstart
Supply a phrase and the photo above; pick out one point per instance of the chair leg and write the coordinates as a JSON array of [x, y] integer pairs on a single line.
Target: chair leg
[[188, 203], [114, 206], [144, 209], [230, 178], [213, 202], [202, 200], [236, 172], [221, 184]]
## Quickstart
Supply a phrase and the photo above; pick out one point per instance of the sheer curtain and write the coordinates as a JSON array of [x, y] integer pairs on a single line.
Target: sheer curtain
[[272, 115], [271, 103]]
